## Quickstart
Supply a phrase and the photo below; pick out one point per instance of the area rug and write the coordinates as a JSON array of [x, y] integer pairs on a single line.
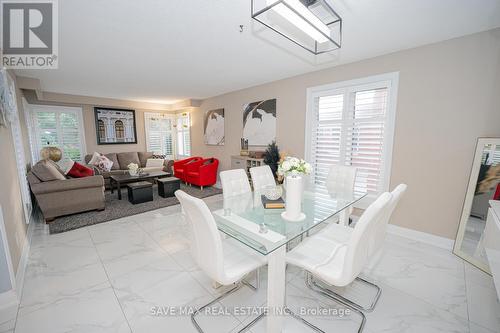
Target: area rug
[[116, 209]]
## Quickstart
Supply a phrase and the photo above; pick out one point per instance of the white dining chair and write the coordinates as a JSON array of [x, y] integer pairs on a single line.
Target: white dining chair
[[234, 182], [340, 181], [226, 261], [262, 176], [336, 263], [342, 234]]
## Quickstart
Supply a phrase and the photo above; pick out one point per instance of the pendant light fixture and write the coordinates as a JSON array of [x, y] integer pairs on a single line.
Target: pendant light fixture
[[311, 24]]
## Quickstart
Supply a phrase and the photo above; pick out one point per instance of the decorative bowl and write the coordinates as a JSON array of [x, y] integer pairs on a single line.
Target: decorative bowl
[[273, 192]]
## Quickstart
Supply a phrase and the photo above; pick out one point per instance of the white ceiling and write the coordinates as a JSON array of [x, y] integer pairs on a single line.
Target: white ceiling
[[163, 51]]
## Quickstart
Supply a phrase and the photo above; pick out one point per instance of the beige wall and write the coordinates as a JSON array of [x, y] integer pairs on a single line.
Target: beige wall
[[449, 95], [89, 118], [10, 195]]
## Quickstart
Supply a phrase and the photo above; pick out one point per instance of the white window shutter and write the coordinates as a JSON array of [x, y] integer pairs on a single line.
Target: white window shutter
[[349, 128], [61, 127], [159, 133]]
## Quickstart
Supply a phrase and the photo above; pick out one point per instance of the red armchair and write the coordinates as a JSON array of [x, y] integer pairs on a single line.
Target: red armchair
[[202, 173], [180, 167]]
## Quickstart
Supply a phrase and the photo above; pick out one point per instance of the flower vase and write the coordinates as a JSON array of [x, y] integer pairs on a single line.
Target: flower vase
[[293, 200]]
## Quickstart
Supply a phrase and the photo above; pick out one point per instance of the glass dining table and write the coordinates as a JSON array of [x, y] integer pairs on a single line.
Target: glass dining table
[[244, 218]]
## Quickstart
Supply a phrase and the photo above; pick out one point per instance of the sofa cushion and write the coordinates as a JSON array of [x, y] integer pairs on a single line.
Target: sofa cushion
[[143, 158], [47, 170], [32, 179], [126, 158], [113, 158], [154, 163]]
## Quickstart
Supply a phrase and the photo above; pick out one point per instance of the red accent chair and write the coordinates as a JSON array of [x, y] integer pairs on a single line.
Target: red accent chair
[[202, 173], [180, 166]]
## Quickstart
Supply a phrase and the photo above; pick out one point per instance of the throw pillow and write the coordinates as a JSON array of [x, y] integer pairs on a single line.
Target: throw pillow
[[66, 165], [154, 163], [104, 163], [114, 159], [95, 158], [80, 171], [46, 171], [159, 156]]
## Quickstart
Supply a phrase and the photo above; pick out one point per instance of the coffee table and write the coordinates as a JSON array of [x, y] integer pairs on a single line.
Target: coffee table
[[126, 178]]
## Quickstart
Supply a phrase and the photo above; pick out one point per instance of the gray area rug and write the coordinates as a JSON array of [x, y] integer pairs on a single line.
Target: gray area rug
[[116, 209]]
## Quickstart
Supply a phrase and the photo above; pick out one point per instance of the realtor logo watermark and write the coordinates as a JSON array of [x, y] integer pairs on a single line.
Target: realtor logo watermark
[[29, 34]]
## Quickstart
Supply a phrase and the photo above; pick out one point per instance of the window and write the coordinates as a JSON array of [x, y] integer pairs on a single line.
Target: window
[[101, 130], [168, 134], [351, 123], [183, 135], [60, 127], [119, 130], [159, 133], [17, 137]]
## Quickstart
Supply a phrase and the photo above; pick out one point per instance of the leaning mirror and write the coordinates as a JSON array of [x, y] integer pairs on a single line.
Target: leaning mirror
[[484, 186]]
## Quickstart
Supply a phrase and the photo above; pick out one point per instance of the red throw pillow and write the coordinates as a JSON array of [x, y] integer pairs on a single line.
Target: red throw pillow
[[79, 171]]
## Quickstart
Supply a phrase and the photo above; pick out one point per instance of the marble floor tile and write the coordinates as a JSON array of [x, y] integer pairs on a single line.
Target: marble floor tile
[[115, 276], [475, 328], [94, 310], [157, 286], [483, 305], [124, 250], [408, 268], [8, 327], [400, 312]]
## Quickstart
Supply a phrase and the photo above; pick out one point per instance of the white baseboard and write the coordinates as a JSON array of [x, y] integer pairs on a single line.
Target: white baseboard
[[23, 262], [8, 306], [441, 242]]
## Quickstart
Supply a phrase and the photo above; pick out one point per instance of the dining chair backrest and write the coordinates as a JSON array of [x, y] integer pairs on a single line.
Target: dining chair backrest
[[262, 176], [340, 179], [234, 182], [381, 228], [358, 247], [207, 241]]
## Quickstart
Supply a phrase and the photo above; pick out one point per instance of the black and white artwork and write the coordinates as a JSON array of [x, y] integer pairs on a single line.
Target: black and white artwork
[[259, 122], [214, 127], [115, 126]]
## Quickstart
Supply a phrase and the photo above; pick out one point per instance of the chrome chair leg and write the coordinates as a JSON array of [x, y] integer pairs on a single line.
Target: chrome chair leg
[[224, 295], [257, 281], [329, 294], [341, 298], [305, 322]]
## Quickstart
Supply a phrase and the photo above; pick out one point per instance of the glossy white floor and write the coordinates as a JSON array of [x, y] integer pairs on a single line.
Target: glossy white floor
[[107, 278]]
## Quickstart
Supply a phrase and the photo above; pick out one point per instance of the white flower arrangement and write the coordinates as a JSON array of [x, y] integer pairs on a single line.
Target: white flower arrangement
[[133, 166], [293, 166], [132, 169]]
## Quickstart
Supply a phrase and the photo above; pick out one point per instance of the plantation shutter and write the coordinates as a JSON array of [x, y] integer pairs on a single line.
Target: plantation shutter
[[326, 135], [349, 128], [183, 135], [159, 134], [60, 127], [365, 138]]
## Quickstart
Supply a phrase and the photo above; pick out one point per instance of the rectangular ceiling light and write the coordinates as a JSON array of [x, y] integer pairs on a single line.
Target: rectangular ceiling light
[[311, 24]]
